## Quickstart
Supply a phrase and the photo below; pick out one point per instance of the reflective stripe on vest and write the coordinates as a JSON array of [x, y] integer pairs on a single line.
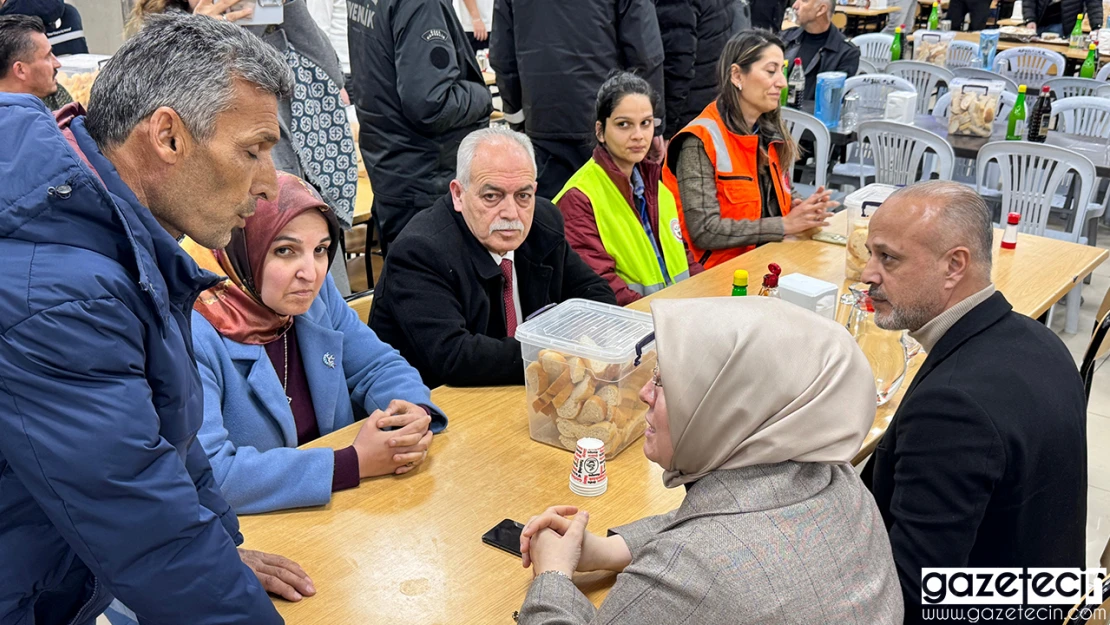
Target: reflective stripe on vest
[[735, 159], [623, 235]]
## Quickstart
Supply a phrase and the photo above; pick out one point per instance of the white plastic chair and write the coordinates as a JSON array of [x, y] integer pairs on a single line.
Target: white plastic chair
[[798, 123], [1068, 87], [899, 150], [1030, 174], [873, 90], [982, 74], [962, 54], [875, 47], [1029, 66], [940, 109], [866, 67], [1086, 116], [926, 78], [1103, 91], [1103, 73]]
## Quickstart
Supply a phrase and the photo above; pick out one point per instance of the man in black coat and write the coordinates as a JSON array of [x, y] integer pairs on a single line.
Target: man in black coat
[[551, 57], [767, 14], [465, 273], [820, 45], [420, 91], [694, 34], [985, 462], [1059, 17]]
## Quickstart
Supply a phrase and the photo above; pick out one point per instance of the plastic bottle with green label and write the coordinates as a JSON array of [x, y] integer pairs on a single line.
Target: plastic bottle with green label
[[1015, 123], [1090, 64], [1076, 38]]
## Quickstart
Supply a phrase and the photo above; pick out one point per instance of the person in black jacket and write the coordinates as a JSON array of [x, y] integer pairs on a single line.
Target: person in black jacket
[[985, 462], [420, 91], [551, 57], [694, 34], [820, 45], [1059, 17], [465, 273], [767, 14]]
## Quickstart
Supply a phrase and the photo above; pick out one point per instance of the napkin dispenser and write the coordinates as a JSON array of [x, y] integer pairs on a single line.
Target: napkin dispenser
[[809, 293]]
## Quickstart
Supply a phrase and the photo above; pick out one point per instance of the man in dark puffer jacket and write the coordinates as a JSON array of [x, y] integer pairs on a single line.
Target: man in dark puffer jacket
[[694, 34], [1044, 15]]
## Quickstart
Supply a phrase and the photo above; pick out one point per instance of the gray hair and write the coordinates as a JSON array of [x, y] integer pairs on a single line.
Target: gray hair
[[830, 5], [185, 62], [493, 134], [963, 217]]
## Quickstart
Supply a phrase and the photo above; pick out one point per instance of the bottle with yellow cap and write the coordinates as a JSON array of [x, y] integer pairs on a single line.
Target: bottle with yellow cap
[[1075, 40], [934, 16], [740, 282], [1090, 65], [1015, 124]]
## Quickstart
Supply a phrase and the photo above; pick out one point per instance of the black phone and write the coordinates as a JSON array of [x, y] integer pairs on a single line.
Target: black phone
[[505, 536]]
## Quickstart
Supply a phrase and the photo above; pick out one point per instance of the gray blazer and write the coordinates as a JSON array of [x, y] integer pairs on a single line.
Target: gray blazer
[[782, 543]]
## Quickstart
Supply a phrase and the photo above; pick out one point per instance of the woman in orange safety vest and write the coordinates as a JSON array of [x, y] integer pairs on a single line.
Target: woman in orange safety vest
[[730, 167]]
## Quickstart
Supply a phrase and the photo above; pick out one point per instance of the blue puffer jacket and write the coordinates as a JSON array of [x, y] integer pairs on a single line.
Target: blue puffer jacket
[[103, 488]]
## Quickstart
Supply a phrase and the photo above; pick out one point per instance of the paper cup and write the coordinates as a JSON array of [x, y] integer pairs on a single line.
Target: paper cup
[[587, 474]]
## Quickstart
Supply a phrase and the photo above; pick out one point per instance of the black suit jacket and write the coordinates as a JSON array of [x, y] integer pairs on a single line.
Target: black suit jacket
[[985, 461], [439, 297]]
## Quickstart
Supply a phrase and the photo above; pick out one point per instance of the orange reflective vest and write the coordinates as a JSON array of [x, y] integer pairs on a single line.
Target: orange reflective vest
[[735, 158]]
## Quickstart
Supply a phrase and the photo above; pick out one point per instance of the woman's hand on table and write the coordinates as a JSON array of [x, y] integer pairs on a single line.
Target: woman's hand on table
[[549, 550], [219, 10], [279, 575], [398, 451], [812, 212], [598, 553]]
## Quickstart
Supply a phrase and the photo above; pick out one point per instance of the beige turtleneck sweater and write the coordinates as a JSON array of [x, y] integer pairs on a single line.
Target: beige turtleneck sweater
[[931, 333]]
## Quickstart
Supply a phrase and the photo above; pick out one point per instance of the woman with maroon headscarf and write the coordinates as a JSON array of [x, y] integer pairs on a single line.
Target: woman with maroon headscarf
[[284, 361]]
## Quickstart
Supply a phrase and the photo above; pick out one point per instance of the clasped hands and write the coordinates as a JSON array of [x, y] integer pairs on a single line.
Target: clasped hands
[[398, 451], [552, 541]]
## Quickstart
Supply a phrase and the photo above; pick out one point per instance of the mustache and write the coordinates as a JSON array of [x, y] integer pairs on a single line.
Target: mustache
[[506, 224]]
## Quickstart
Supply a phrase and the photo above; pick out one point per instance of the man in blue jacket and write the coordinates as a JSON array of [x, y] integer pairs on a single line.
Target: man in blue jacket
[[103, 490]]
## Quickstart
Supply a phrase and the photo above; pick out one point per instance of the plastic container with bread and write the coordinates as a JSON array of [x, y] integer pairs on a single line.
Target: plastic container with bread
[[580, 374]]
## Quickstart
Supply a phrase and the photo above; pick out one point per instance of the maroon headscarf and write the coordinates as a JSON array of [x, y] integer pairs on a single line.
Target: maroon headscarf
[[234, 307]]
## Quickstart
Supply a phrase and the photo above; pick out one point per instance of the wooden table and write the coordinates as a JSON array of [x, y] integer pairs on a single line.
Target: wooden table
[[1034, 276], [1072, 54], [859, 17], [408, 549]]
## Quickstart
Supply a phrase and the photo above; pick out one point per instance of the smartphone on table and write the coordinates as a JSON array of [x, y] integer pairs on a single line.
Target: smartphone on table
[[505, 536]]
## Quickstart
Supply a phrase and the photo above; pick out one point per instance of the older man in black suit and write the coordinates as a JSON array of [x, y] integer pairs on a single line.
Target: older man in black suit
[[985, 462], [466, 272]]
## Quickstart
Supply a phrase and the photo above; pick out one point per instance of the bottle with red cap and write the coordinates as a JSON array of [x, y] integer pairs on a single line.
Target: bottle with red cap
[[771, 281], [1009, 237]]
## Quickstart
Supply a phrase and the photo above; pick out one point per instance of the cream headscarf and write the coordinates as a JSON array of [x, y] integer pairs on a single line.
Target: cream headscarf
[[755, 380]]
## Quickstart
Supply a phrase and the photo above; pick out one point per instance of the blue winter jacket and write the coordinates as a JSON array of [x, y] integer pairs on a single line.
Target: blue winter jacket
[[249, 431], [103, 490]]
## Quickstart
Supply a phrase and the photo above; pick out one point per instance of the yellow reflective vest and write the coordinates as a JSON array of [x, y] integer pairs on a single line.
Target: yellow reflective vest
[[623, 235]]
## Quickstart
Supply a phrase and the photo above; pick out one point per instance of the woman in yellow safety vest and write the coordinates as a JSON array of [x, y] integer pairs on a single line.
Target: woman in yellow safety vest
[[619, 217], [733, 161]]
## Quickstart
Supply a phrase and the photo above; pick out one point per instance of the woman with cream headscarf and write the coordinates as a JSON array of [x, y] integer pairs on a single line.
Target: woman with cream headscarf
[[762, 413]]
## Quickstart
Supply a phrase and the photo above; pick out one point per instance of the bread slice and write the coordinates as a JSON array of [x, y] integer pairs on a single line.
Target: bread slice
[[553, 363], [558, 386], [593, 411], [578, 369], [569, 443], [536, 379]]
